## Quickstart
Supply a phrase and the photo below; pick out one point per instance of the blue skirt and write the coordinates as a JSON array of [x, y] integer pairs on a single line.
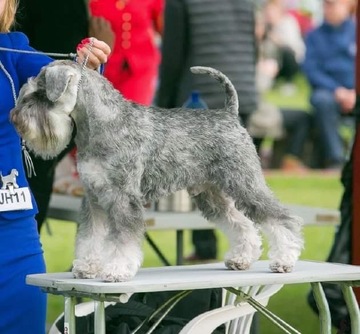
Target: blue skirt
[[22, 307]]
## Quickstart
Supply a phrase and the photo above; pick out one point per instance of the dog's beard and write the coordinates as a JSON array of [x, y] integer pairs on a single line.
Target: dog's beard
[[45, 135]]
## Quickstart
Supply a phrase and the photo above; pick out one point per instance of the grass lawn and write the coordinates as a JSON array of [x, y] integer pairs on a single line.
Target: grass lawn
[[299, 100], [313, 190]]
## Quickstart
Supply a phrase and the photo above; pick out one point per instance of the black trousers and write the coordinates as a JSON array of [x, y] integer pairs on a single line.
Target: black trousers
[[289, 67], [41, 185], [297, 124], [205, 244]]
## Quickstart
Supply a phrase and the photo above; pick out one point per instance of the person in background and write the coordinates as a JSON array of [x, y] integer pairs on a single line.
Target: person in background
[[272, 121], [304, 19], [22, 307], [133, 65], [329, 67], [219, 34], [283, 38]]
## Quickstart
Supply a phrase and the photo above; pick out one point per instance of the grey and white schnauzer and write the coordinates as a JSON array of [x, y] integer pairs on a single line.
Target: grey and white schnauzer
[[129, 154]]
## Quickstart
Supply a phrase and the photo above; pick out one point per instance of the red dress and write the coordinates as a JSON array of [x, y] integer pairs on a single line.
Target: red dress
[[133, 65]]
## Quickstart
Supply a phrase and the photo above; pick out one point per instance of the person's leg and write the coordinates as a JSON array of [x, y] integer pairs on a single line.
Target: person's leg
[[26, 305], [326, 122], [205, 244], [297, 125], [22, 307], [41, 186], [288, 64]]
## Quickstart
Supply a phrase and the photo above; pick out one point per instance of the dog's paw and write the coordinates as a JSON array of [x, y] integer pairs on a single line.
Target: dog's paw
[[278, 267], [238, 264], [85, 269], [117, 273], [242, 256]]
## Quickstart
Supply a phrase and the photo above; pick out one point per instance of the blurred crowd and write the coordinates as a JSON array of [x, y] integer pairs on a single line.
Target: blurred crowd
[[319, 47]]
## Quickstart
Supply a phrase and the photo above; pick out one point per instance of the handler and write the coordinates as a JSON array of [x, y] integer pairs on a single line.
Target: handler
[[22, 307]]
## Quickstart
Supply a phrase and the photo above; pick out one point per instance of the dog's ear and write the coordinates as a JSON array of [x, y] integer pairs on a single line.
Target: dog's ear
[[57, 81]]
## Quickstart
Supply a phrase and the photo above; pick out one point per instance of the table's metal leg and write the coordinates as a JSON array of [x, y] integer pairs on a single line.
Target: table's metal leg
[[352, 306], [99, 317], [157, 250], [69, 315], [179, 247], [255, 325], [323, 306]]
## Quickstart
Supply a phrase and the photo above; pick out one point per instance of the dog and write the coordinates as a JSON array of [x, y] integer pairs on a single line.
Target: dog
[[129, 154]]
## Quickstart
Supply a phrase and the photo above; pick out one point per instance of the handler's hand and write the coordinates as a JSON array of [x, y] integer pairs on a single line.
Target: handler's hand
[[98, 52]]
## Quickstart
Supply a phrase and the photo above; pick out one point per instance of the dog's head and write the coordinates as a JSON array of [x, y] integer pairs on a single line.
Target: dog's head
[[42, 114]]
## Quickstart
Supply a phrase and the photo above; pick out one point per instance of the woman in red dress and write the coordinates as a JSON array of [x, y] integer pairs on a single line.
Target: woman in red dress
[[133, 65]]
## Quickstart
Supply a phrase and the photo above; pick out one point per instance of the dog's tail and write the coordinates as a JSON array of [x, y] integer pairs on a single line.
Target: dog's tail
[[231, 99]]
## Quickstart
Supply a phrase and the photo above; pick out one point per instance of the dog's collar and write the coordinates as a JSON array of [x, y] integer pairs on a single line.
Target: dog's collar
[[84, 63]]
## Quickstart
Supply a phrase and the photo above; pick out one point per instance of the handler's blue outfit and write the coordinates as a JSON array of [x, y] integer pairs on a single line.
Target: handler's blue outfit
[[22, 307]]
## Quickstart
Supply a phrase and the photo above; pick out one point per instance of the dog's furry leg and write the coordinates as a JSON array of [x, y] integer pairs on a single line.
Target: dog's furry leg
[[282, 229], [90, 240], [121, 255], [245, 241], [285, 242]]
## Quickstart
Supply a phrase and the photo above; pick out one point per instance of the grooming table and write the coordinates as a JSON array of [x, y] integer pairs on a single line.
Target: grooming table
[[203, 276]]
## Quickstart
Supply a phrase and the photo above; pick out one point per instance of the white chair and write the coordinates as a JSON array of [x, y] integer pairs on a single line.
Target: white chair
[[81, 310], [237, 315], [236, 312]]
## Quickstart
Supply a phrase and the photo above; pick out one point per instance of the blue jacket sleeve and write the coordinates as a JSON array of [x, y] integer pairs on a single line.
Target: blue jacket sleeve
[[27, 65], [312, 68]]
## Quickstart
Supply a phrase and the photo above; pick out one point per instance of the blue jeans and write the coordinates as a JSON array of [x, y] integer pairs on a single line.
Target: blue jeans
[[327, 115]]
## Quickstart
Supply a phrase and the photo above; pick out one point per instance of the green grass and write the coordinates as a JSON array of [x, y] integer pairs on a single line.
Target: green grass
[[289, 303], [299, 100]]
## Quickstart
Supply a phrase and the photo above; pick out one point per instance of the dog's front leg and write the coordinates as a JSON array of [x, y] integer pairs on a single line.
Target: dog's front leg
[[90, 238], [122, 255]]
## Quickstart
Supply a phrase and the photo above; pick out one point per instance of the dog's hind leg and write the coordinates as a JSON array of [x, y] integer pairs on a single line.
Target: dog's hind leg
[[281, 228], [244, 239], [285, 241], [90, 239]]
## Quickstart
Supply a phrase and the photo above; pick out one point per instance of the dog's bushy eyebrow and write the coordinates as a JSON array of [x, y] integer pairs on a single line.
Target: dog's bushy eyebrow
[[41, 99], [39, 95], [40, 81]]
